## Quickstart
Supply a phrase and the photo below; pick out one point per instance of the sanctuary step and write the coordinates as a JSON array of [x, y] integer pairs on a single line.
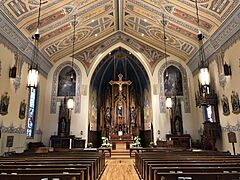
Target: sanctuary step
[[120, 154]]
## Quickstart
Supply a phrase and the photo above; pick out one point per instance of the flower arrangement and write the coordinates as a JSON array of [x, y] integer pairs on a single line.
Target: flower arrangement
[[105, 142], [89, 145], [136, 142], [151, 144]]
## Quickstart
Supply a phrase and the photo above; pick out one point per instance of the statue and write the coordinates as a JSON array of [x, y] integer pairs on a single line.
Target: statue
[[108, 116], [133, 115], [177, 125], [63, 125], [120, 111]]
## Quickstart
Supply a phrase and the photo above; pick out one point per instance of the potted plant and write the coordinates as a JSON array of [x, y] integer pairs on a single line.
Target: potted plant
[[151, 144]]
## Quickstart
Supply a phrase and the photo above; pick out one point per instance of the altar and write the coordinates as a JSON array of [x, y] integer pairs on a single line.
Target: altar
[[120, 142]]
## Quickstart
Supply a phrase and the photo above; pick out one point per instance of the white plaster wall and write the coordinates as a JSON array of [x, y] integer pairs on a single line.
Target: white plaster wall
[[233, 84], [78, 120], [162, 120], [11, 124]]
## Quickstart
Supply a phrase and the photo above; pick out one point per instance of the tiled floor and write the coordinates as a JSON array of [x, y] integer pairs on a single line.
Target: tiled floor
[[120, 169]]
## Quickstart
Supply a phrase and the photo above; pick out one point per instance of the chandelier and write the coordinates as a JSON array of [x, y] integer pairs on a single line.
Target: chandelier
[[70, 101], [164, 23], [33, 70], [205, 95]]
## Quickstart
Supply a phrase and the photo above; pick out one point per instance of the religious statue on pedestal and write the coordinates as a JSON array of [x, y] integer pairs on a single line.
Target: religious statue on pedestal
[[108, 116], [133, 115]]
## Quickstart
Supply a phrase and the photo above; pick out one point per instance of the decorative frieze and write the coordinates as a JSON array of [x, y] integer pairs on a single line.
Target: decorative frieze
[[229, 127]]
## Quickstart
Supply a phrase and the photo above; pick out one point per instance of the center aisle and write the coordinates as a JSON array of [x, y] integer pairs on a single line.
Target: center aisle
[[120, 169]]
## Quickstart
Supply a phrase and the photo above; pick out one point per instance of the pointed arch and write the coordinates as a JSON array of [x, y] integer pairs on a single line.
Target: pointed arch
[[55, 98], [185, 85]]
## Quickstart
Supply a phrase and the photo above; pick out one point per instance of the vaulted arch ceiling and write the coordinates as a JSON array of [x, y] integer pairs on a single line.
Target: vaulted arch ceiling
[[100, 19]]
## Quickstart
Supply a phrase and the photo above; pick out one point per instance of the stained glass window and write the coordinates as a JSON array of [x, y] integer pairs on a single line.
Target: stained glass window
[[31, 113]]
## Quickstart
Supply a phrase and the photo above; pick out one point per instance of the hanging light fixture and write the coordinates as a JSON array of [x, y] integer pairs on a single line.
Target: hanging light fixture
[[204, 77], [70, 101], [168, 102], [206, 95], [168, 99], [33, 70]]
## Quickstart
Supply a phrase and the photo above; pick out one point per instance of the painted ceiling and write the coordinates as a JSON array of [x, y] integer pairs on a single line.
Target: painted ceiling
[[100, 20]]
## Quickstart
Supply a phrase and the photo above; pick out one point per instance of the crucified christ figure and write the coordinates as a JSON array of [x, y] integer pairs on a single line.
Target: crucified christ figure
[[120, 82]]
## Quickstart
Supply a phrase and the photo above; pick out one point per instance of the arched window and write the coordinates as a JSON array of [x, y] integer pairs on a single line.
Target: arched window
[[173, 82], [31, 115], [66, 84]]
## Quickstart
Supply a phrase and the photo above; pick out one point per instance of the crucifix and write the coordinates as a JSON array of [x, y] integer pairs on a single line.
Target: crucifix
[[120, 82]]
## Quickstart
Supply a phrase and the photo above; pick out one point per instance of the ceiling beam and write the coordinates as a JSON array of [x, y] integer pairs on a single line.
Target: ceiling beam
[[119, 15]]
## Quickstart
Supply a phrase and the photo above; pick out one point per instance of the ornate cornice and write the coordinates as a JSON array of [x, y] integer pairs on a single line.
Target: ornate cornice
[[15, 41], [227, 35]]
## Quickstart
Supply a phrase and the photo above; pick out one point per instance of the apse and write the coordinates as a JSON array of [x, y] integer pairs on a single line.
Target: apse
[[119, 96], [116, 62]]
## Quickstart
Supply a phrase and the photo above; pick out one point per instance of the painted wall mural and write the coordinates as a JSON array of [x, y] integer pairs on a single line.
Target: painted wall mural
[[185, 86], [173, 82], [4, 103], [54, 95], [97, 19], [87, 56], [66, 85]]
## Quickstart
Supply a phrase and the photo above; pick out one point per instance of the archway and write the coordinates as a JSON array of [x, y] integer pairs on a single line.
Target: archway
[[122, 106]]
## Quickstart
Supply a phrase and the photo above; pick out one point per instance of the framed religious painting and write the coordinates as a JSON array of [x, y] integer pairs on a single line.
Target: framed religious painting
[[235, 102], [22, 109], [225, 105], [4, 104]]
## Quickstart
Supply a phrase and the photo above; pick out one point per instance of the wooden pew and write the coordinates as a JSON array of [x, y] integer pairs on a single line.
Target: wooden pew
[[60, 176], [83, 169], [199, 176], [91, 164], [150, 164]]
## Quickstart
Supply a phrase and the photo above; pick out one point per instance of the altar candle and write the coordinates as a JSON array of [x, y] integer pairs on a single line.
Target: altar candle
[[70, 143]]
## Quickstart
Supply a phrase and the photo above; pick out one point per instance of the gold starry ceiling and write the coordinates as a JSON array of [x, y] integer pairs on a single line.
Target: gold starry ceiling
[[98, 20]]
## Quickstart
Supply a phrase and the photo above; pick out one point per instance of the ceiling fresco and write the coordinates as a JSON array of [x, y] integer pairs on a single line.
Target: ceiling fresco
[[101, 20]]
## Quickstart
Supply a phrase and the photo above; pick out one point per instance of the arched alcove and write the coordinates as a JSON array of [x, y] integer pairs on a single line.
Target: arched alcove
[[135, 92], [55, 83], [185, 85]]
